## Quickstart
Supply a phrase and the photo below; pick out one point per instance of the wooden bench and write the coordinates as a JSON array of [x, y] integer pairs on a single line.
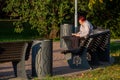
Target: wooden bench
[[17, 53], [99, 47], [96, 45]]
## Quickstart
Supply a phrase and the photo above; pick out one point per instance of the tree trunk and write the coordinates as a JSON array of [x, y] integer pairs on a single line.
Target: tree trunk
[[54, 31]]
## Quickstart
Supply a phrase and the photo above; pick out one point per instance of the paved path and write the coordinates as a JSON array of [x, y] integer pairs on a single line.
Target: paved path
[[60, 66]]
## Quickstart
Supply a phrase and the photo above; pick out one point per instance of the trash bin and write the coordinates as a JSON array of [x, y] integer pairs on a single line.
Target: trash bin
[[35, 48], [65, 30], [42, 58]]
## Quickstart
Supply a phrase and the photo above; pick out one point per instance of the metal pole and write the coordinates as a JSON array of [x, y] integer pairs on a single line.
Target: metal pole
[[76, 16]]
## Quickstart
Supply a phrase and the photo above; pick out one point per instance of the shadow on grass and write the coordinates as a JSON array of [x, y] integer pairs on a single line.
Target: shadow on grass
[[115, 51], [117, 60], [115, 46]]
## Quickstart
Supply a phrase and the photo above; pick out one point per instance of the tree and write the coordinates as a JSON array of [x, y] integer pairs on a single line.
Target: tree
[[44, 15], [47, 15], [2, 4], [106, 13]]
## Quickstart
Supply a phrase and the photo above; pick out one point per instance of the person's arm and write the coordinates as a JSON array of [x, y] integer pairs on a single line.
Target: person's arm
[[84, 30]]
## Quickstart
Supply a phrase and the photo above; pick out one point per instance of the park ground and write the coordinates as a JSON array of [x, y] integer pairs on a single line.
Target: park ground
[[60, 66]]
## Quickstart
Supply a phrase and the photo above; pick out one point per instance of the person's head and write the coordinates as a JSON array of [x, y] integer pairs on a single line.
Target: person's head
[[81, 19]]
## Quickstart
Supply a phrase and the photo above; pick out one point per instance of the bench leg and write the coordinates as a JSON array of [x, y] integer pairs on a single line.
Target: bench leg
[[19, 66], [94, 59], [78, 61], [15, 68], [19, 69]]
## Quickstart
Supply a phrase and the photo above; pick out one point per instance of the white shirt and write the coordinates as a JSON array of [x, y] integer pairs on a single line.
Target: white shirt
[[85, 29]]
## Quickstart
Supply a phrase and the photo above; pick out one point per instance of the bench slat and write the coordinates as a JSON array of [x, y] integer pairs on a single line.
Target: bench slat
[[10, 51]]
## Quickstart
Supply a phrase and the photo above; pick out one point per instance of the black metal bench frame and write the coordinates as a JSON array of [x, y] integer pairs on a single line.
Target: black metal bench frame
[[99, 48], [99, 41], [17, 53]]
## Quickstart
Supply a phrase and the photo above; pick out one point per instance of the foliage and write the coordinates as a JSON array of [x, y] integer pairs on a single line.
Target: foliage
[[106, 13], [46, 15], [7, 32], [28, 11]]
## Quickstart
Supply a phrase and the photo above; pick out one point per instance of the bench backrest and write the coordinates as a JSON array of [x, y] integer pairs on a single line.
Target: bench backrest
[[13, 51], [99, 41]]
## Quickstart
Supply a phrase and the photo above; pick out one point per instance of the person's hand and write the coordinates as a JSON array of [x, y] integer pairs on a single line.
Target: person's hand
[[77, 35], [73, 34]]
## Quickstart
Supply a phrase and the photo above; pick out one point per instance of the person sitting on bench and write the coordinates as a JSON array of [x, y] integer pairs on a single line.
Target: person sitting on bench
[[85, 29]]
